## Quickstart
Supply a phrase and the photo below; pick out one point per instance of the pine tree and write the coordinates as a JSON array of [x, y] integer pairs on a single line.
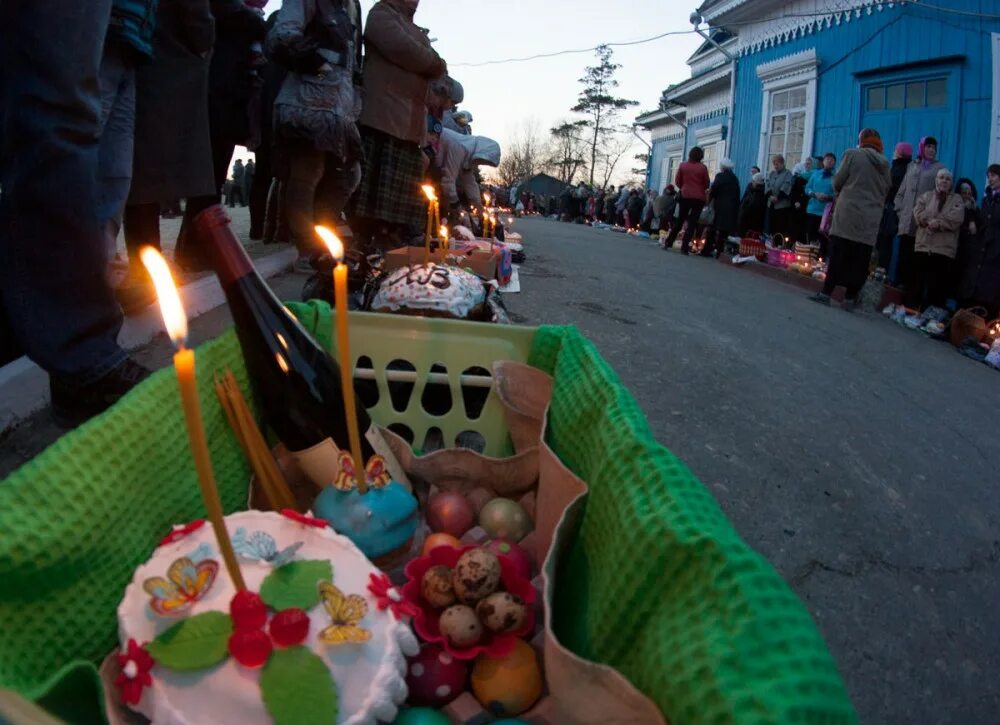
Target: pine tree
[[598, 104]]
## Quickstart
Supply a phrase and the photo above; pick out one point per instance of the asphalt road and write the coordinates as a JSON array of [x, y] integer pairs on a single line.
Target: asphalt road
[[860, 458]]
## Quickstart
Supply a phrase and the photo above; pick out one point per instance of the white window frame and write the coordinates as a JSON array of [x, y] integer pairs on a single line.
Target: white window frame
[[995, 128], [711, 137], [673, 151], [800, 69]]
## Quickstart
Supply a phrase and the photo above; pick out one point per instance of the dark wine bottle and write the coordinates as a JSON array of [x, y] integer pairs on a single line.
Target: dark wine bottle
[[296, 383]]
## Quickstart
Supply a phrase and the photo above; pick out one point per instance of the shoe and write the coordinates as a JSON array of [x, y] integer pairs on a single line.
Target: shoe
[[303, 265], [74, 404], [849, 305], [889, 310], [820, 298]]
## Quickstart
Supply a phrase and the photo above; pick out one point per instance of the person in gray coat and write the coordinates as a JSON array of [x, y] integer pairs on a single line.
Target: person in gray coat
[[861, 184], [920, 178], [778, 189]]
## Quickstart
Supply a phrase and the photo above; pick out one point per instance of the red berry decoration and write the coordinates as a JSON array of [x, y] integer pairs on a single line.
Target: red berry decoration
[[289, 627], [248, 610], [250, 648]]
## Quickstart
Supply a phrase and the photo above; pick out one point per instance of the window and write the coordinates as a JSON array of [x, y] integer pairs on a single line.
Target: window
[[787, 128], [910, 94], [672, 163], [711, 159]]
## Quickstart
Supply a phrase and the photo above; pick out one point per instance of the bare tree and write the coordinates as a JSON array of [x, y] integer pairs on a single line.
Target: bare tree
[[523, 154], [613, 148], [566, 152], [597, 103]]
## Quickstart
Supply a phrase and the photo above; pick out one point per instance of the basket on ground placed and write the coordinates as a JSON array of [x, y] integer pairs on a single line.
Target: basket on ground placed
[[654, 583], [968, 323], [780, 257], [752, 246]]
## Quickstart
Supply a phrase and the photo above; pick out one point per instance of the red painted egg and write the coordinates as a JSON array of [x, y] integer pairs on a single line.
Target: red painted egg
[[450, 513], [435, 540], [434, 677], [515, 553]]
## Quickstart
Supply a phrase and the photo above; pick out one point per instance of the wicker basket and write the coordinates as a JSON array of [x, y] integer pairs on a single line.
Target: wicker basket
[[968, 323]]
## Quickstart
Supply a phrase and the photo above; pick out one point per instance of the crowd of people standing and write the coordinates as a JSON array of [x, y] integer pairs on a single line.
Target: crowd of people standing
[[132, 105]]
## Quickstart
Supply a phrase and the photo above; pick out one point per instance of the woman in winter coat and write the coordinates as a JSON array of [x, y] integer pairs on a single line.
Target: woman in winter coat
[[861, 184], [920, 178], [316, 113], [646, 225], [173, 151], [981, 277], [753, 206], [693, 182], [724, 195], [966, 235], [797, 224], [939, 215], [664, 207], [634, 208], [819, 192], [778, 188], [399, 65]]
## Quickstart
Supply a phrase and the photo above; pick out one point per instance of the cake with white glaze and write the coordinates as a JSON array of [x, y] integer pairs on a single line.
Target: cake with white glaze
[[178, 660]]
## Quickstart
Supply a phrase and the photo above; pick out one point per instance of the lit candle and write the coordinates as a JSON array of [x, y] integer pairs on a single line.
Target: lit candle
[[431, 213], [486, 214], [445, 243], [344, 349], [175, 321]]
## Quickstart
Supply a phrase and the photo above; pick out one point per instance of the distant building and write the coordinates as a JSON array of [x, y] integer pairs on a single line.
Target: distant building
[[809, 74], [542, 185]]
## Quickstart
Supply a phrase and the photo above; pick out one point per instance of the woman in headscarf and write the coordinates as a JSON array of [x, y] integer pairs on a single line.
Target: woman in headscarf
[[724, 195], [753, 206], [901, 158], [939, 215], [860, 183], [966, 235], [797, 222], [920, 178]]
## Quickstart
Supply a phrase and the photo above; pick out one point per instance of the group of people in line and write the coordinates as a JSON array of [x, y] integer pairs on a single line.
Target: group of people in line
[[932, 236], [132, 105]]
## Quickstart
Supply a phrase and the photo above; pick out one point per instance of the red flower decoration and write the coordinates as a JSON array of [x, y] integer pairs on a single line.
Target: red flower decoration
[[426, 621], [181, 531], [303, 519], [135, 664], [389, 597]]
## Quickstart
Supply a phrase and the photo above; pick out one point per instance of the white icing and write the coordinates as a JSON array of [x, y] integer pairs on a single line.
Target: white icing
[[369, 677], [432, 288], [131, 669]]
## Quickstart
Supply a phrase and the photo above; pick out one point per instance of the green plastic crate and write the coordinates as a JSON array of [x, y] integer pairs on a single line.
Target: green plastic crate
[[658, 585]]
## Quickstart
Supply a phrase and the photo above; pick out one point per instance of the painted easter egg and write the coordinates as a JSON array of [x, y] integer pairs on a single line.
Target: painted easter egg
[[450, 513], [421, 716], [435, 540], [434, 677], [508, 686], [515, 553], [503, 518]]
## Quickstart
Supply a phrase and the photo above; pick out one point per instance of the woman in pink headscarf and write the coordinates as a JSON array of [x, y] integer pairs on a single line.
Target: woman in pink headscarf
[[920, 178]]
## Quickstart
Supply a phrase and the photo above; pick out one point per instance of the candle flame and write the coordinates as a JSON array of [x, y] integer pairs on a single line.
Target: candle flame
[[429, 192], [486, 197], [174, 317], [332, 243], [443, 231]]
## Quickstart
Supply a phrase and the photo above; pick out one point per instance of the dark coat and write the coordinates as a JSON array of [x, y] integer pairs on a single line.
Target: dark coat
[[173, 154], [752, 209], [132, 24], [230, 83], [725, 193], [981, 278], [635, 206]]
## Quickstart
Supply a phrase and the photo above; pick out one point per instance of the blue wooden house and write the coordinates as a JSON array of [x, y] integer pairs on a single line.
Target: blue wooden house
[[809, 74]]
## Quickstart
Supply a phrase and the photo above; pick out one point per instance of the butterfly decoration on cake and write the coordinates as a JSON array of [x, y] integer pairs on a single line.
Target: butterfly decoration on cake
[[260, 546], [185, 583], [346, 611], [376, 473]]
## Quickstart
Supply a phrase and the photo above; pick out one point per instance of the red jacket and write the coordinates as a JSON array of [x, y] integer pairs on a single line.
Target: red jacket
[[692, 180]]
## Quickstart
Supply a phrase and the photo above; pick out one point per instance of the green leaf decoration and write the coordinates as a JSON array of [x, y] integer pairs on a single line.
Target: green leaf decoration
[[294, 585], [195, 643], [297, 688]]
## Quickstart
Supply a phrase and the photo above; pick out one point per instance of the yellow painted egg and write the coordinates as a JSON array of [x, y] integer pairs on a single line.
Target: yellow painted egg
[[509, 685]]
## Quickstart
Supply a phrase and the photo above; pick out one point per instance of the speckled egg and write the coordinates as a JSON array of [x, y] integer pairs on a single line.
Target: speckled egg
[[502, 612], [502, 518], [434, 677], [461, 626], [437, 588], [476, 575], [508, 686]]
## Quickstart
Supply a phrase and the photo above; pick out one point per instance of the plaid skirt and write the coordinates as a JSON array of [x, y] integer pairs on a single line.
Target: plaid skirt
[[392, 174]]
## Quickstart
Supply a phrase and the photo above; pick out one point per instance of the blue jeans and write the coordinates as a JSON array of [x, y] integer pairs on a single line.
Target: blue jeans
[[52, 248], [117, 129]]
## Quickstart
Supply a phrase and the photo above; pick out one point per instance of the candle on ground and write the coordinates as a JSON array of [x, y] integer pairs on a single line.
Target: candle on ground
[[175, 321], [344, 349]]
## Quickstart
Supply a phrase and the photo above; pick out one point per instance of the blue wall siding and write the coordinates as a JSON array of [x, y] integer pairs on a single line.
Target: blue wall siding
[[653, 180], [896, 43]]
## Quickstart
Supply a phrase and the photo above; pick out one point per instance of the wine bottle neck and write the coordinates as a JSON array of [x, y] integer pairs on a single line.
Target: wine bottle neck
[[229, 258]]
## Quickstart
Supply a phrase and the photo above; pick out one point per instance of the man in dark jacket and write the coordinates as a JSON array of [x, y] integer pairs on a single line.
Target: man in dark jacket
[[634, 207], [724, 196], [901, 159], [981, 278], [53, 254]]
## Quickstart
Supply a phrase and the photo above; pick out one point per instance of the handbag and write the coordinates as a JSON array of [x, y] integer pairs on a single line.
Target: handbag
[[827, 221], [707, 217]]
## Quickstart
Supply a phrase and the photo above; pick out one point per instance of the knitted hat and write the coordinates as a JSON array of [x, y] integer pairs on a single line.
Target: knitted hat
[[904, 150], [872, 139]]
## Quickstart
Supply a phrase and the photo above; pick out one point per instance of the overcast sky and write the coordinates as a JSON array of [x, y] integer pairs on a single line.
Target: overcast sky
[[501, 97]]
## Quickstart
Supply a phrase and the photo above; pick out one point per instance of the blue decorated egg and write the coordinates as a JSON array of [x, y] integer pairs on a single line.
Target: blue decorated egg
[[378, 522]]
